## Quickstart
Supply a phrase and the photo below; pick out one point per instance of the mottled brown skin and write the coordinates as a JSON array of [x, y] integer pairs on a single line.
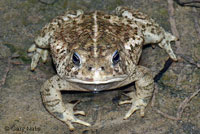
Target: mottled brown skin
[[95, 40], [78, 37]]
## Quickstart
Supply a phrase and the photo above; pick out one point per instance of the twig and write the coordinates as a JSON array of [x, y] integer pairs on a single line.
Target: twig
[[189, 3], [180, 108], [189, 60], [3, 80], [166, 115], [154, 96], [184, 104], [175, 32], [46, 3], [173, 25], [196, 22]]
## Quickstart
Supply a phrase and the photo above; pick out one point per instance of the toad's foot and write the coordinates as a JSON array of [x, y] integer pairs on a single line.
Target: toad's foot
[[68, 116], [137, 104], [37, 54], [165, 44]]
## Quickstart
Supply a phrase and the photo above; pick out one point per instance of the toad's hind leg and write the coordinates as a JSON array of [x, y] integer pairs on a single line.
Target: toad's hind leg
[[144, 88], [52, 100]]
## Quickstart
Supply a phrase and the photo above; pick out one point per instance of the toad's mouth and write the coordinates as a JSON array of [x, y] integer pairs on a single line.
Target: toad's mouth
[[96, 85], [98, 81]]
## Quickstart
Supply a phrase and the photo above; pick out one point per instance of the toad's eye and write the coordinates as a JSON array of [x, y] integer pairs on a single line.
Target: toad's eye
[[76, 59], [115, 57]]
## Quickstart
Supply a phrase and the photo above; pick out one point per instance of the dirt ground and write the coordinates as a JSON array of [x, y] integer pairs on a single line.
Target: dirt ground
[[21, 108]]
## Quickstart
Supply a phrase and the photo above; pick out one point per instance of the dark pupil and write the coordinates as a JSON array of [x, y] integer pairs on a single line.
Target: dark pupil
[[115, 59], [76, 59]]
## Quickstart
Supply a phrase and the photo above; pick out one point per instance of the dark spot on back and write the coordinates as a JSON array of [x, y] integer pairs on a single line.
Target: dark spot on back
[[75, 72], [107, 16]]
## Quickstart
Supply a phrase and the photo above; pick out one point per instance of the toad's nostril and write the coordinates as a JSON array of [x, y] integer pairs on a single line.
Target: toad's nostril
[[89, 68], [102, 68]]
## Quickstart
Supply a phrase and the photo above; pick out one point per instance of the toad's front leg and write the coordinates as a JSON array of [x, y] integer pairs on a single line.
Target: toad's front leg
[[144, 88], [52, 100], [153, 33]]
